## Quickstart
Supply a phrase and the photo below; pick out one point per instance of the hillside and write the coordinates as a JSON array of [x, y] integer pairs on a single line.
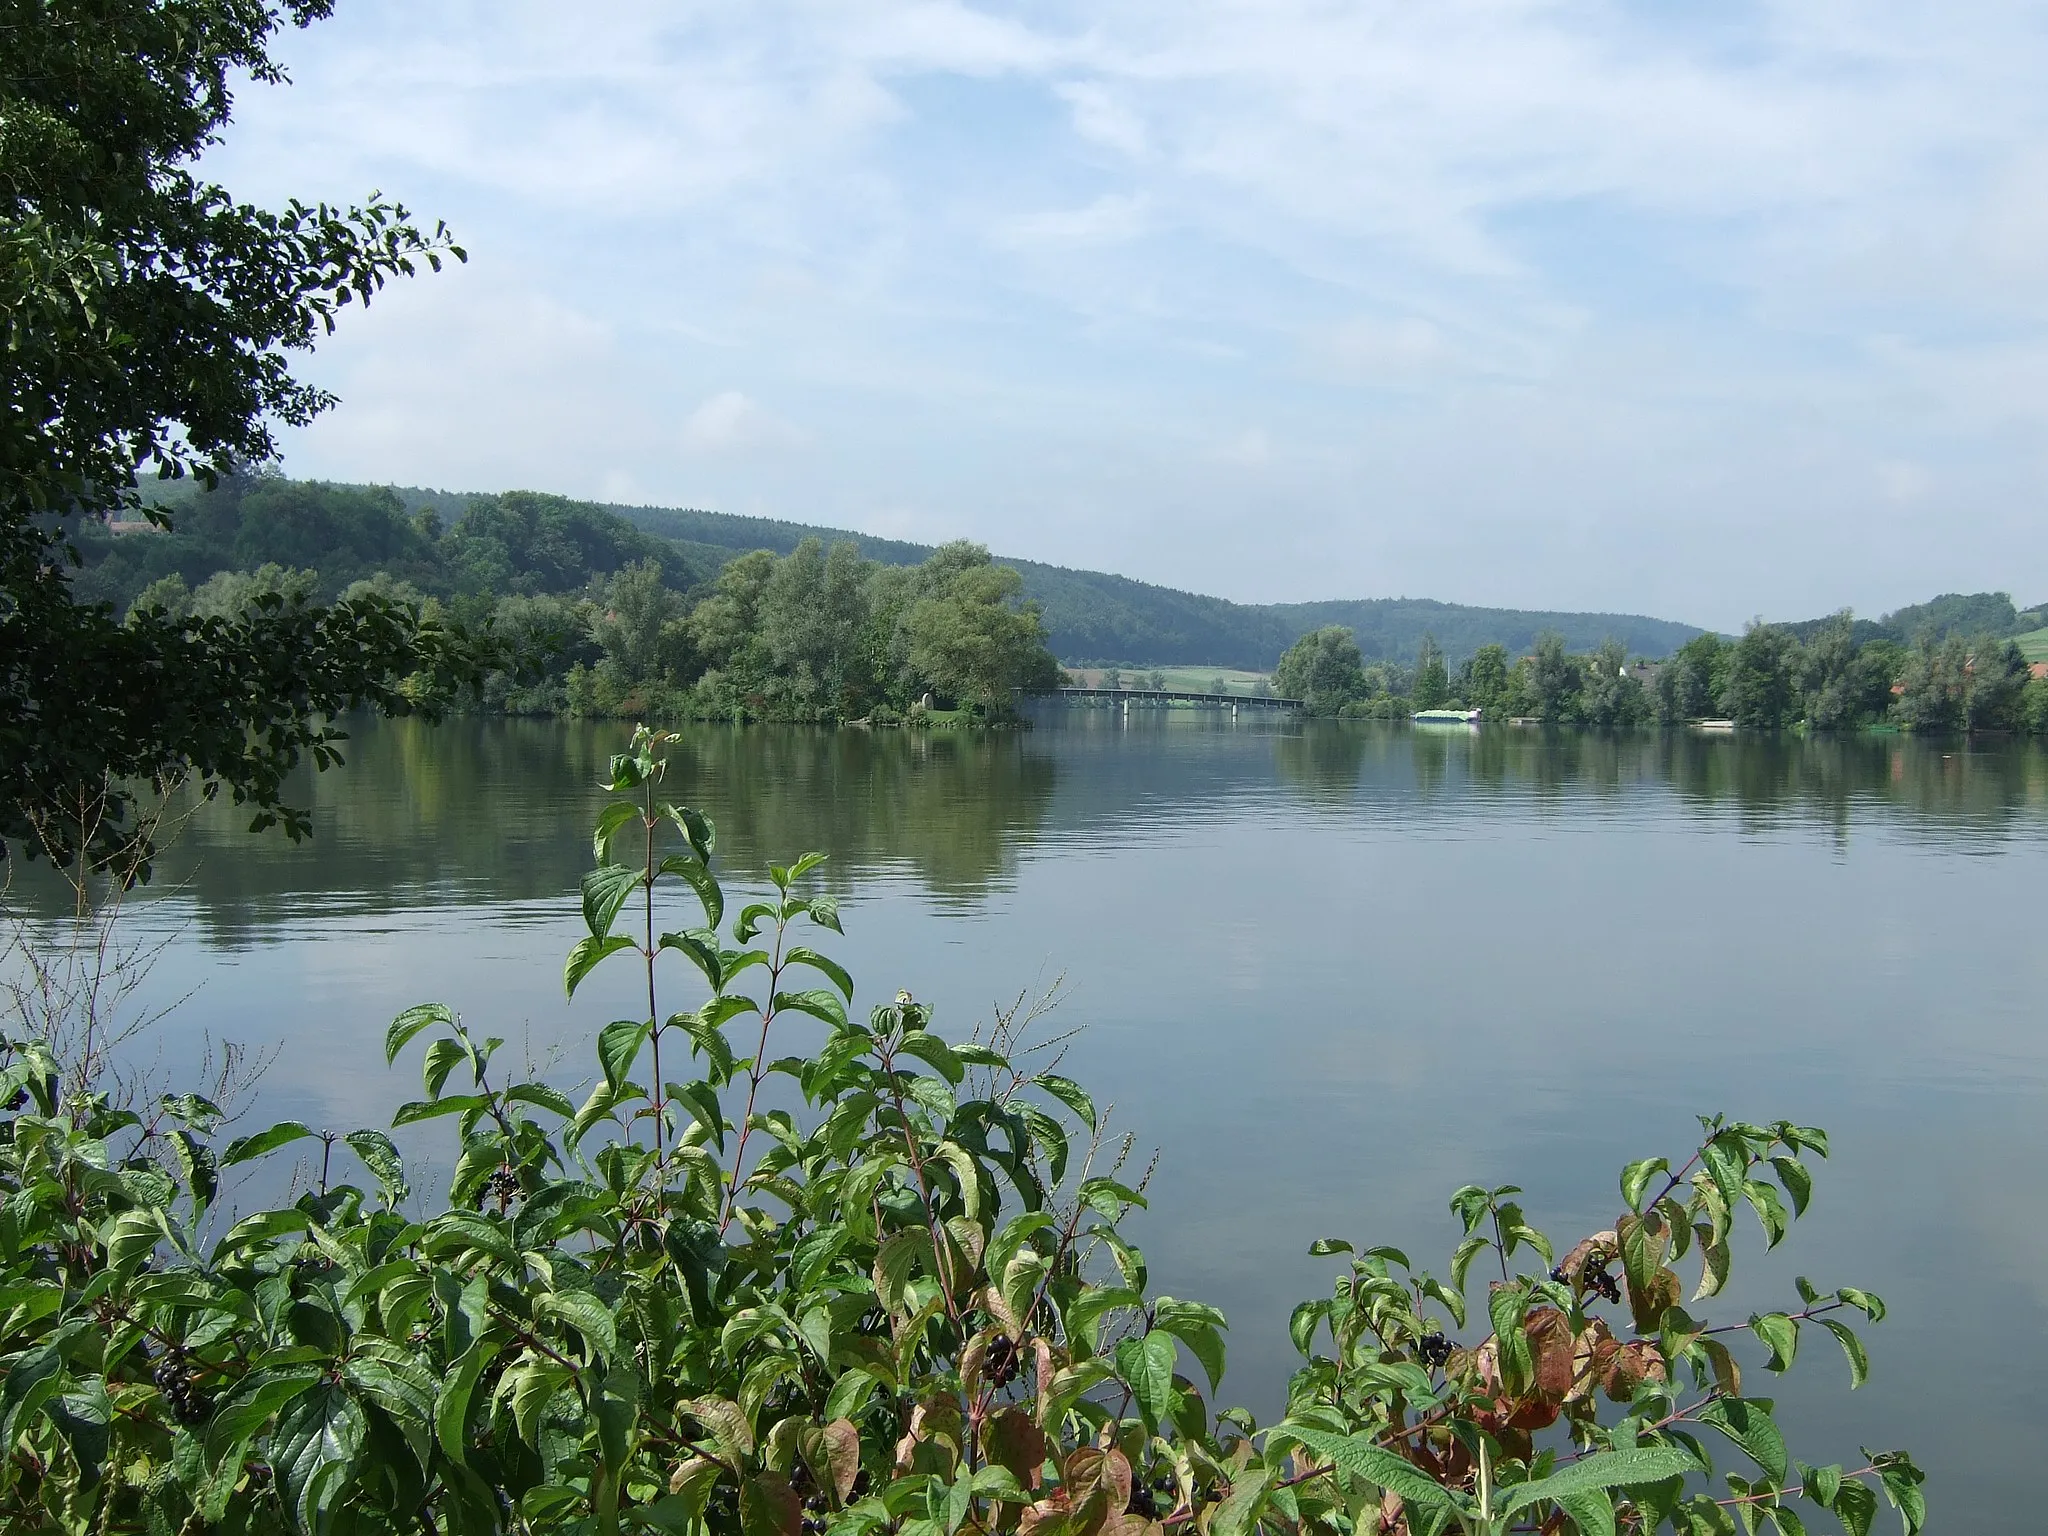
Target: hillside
[[1092, 616]]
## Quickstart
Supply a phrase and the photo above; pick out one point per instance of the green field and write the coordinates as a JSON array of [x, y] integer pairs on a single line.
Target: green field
[[1178, 679], [2034, 644]]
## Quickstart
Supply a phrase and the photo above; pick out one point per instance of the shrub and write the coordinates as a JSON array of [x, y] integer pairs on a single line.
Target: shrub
[[908, 1306]]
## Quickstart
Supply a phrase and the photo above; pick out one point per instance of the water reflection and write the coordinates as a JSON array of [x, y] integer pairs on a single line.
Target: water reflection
[[499, 809], [1330, 970]]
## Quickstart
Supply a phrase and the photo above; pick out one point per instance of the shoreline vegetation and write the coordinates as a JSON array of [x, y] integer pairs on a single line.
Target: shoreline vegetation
[[618, 622]]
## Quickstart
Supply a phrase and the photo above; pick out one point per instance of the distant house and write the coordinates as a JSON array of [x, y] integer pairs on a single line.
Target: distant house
[[2037, 669], [1645, 672]]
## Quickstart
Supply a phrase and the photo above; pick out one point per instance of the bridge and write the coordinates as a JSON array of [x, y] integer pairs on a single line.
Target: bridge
[[1232, 701]]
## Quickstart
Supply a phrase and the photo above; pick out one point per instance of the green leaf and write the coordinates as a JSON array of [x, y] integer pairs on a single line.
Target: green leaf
[[1084, 1313], [381, 1157], [824, 911], [1869, 1303], [815, 1001], [1780, 1335], [1855, 1505], [1635, 1178], [1461, 1259], [442, 1057], [1357, 1455], [1627, 1468], [314, 1450], [849, 1394], [1592, 1511], [197, 1166], [1901, 1480], [1071, 1094], [966, 1173], [1323, 1247], [610, 821], [605, 890], [1797, 1179], [1859, 1362], [934, 1053], [256, 1398], [585, 956], [543, 1097], [710, 895], [585, 1313], [618, 1046], [432, 1109], [1146, 1366], [803, 955], [243, 1148], [410, 1023], [700, 947], [1198, 1328], [1770, 1210], [1750, 1426], [1727, 1164], [701, 1100]]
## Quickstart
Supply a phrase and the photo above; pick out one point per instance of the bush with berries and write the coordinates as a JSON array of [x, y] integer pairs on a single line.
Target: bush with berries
[[784, 1270]]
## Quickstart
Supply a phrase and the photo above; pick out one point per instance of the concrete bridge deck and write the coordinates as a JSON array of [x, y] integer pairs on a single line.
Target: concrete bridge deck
[[1177, 695]]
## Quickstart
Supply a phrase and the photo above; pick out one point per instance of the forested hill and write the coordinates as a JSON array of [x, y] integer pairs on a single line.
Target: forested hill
[[1092, 616]]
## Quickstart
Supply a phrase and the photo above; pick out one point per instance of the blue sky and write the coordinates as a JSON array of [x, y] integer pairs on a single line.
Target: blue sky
[[1703, 310]]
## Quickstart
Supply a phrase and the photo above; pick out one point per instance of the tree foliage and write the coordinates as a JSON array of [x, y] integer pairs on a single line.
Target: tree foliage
[[149, 320], [788, 1269]]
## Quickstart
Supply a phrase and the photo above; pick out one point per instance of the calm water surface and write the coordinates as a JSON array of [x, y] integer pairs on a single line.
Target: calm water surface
[[1329, 973]]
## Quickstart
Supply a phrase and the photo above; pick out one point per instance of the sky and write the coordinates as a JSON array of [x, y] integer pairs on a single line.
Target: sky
[[1704, 310]]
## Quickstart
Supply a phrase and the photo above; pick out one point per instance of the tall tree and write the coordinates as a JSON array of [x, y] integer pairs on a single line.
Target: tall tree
[[1760, 691], [1432, 679], [148, 321], [1323, 669], [1556, 678]]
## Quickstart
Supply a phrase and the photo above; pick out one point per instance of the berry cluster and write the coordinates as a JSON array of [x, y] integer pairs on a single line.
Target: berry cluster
[[1435, 1349], [174, 1380], [1593, 1277], [20, 1099], [1003, 1359], [502, 1186]]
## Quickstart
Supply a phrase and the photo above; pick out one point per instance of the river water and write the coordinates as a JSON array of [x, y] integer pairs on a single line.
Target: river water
[[1327, 972]]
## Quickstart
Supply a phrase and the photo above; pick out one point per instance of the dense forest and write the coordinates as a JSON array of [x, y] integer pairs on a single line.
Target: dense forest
[[628, 623], [659, 611], [1834, 674], [1093, 618]]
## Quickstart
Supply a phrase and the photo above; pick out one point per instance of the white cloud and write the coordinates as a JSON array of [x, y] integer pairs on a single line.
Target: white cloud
[[1107, 220], [730, 423], [1607, 286]]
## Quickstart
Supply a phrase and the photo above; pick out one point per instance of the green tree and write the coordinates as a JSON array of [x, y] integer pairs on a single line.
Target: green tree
[[1690, 684], [1432, 680], [1998, 681], [149, 319], [1760, 690], [1556, 680], [1934, 685], [639, 627], [1323, 669], [1613, 700], [1483, 680], [970, 639]]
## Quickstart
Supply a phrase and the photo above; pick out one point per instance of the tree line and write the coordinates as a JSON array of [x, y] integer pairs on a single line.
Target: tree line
[[611, 621], [1823, 676]]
